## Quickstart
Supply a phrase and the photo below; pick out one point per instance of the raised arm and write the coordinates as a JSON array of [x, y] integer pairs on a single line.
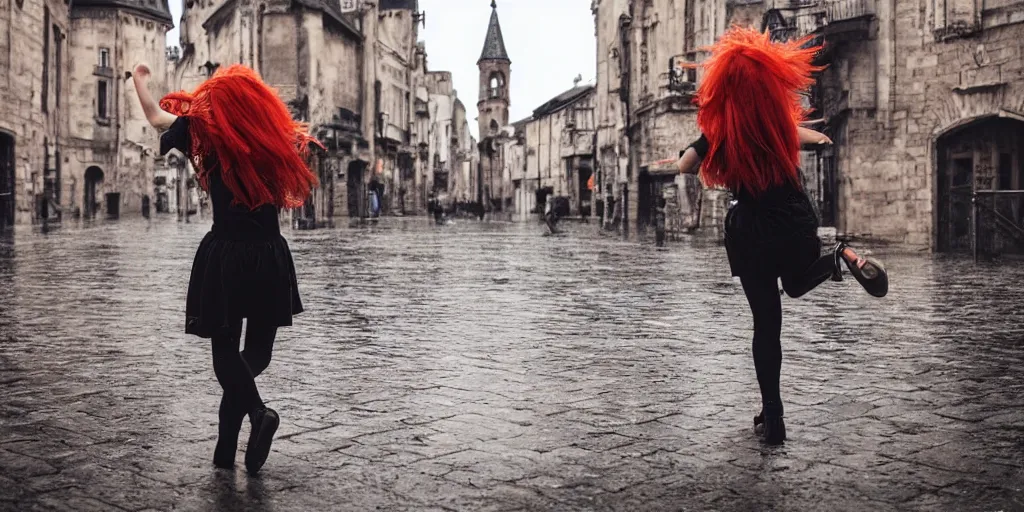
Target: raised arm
[[157, 117], [808, 136]]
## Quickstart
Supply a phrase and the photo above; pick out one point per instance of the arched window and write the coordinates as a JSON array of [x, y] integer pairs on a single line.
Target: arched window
[[494, 127], [497, 85]]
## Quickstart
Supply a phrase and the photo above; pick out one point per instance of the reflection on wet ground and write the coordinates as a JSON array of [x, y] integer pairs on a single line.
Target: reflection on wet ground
[[481, 366]]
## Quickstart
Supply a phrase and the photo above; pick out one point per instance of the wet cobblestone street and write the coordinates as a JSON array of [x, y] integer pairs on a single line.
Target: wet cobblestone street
[[486, 367]]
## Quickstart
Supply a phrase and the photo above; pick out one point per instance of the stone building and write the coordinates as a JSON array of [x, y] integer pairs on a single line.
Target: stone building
[[559, 151], [73, 139], [448, 139], [313, 55], [111, 145], [33, 120], [925, 101], [492, 115]]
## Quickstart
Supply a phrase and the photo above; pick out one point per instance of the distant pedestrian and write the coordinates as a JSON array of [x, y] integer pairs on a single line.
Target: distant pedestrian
[[749, 111], [248, 154], [550, 215], [659, 222]]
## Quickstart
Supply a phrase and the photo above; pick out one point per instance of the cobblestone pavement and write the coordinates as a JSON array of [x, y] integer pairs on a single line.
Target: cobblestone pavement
[[486, 367]]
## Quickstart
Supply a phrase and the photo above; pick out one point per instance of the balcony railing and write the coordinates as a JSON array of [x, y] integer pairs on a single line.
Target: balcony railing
[[809, 17]]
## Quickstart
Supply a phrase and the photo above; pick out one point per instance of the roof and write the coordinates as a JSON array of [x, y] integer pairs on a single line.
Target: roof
[[563, 100], [155, 8], [494, 44], [329, 8]]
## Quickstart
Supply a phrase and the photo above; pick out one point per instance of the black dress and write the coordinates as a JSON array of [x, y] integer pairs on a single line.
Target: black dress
[[775, 233], [243, 267]]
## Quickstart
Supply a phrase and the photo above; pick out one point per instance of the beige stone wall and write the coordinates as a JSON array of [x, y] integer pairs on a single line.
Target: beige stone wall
[[22, 114], [122, 144], [887, 158]]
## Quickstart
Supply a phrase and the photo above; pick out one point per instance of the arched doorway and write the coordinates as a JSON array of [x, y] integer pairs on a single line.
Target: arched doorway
[[983, 159], [6, 180], [93, 182]]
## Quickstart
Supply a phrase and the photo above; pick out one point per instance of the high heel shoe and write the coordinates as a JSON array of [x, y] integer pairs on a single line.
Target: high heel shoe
[[871, 275]]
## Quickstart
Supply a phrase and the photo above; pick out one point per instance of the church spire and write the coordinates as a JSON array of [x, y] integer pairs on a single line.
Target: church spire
[[494, 44]]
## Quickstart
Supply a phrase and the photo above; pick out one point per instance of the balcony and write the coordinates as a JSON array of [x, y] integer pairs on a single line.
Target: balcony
[[847, 19]]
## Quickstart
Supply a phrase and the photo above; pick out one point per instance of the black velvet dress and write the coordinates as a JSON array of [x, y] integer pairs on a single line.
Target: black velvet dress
[[775, 233], [243, 267]]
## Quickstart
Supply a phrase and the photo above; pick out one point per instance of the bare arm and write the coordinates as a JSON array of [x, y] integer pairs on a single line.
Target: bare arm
[[690, 162], [157, 117], [808, 136]]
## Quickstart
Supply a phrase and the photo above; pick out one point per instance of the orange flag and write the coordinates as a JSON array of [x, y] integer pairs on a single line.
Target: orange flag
[[590, 183]]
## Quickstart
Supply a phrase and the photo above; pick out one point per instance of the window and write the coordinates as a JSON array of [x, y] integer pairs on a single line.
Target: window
[[496, 85], [45, 94], [494, 127], [58, 55], [104, 58], [101, 99]]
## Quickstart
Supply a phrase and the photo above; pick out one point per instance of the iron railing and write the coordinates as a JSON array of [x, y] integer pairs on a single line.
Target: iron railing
[[998, 222]]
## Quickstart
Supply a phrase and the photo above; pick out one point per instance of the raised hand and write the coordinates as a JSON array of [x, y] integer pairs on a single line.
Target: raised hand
[[142, 72]]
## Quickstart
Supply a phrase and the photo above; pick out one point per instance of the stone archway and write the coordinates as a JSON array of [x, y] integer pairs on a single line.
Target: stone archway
[[973, 157], [93, 183]]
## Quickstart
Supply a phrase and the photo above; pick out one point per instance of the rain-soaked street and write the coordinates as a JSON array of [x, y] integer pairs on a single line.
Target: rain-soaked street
[[486, 367]]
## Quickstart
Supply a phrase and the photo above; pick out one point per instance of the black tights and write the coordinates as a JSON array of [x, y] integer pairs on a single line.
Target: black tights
[[236, 371], [766, 305]]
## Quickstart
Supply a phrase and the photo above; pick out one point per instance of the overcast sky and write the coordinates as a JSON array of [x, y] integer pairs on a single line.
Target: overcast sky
[[548, 41]]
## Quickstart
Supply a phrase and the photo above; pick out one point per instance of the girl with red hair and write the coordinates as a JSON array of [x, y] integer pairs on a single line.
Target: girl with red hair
[[248, 154], [750, 115]]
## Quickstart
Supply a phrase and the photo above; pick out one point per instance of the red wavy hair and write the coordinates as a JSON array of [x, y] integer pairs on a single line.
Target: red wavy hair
[[241, 123], [749, 109]]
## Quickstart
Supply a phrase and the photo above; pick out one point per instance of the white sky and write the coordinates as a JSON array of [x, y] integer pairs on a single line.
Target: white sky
[[548, 41]]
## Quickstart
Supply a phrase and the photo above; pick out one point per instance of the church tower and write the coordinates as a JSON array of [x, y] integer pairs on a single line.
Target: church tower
[[494, 64]]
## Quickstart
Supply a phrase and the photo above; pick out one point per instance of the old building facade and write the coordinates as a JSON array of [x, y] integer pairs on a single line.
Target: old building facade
[[923, 100], [358, 76], [559, 152], [73, 140]]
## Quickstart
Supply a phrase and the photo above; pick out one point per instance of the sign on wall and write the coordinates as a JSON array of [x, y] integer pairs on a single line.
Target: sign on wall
[[351, 5]]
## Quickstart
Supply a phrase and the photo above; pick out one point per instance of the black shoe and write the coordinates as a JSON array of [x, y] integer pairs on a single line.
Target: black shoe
[[264, 424], [872, 276], [769, 424], [774, 430]]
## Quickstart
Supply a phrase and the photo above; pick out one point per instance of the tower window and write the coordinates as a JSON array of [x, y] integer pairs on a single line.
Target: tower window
[[494, 127], [101, 99], [496, 85]]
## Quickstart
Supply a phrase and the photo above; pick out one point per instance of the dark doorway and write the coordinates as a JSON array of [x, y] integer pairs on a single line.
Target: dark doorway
[[93, 182], [6, 180], [355, 171], [979, 201], [542, 198], [586, 194], [651, 186]]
